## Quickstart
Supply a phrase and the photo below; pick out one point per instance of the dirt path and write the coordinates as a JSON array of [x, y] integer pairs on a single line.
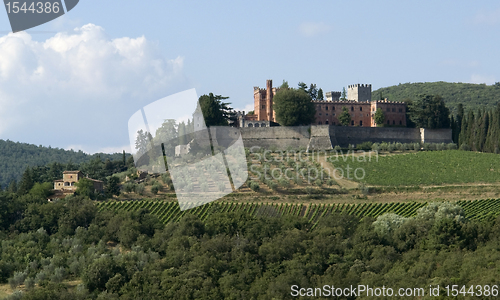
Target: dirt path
[[342, 182]]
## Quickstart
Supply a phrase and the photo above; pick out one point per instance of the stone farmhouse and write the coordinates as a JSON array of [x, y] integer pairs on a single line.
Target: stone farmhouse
[[359, 104], [66, 186]]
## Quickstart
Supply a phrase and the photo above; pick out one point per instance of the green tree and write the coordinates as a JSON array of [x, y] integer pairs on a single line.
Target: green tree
[[430, 111], [284, 85], [303, 86], [26, 182], [215, 111], [344, 94], [320, 95], [85, 187], [293, 107], [379, 117], [345, 117], [313, 91], [113, 186]]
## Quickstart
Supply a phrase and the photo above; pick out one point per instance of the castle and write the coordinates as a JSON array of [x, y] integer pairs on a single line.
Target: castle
[[359, 104]]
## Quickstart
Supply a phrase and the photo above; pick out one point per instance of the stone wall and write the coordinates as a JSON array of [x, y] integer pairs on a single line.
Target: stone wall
[[281, 137], [324, 137]]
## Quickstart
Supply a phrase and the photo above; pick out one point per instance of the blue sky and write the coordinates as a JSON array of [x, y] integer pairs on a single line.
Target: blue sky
[[75, 81]]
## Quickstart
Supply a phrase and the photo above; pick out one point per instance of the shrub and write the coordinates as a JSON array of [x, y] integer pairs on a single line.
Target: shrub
[[331, 182], [254, 186], [155, 189], [451, 146], [384, 146], [367, 146], [376, 147], [272, 185], [464, 147], [318, 182], [284, 182], [17, 279], [139, 189], [129, 187]]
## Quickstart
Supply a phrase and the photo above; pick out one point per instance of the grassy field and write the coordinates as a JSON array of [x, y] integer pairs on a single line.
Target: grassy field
[[425, 168]]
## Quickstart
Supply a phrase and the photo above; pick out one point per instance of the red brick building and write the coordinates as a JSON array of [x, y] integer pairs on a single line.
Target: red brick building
[[327, 112]]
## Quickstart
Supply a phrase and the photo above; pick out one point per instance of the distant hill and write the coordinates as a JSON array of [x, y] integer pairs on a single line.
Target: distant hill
[[15, 157], [472, 96]]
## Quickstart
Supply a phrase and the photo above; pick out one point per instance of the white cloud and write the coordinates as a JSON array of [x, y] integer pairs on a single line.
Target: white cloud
[[80, 88], [478, 78], [487, 17], [247, 108], [311, 29]]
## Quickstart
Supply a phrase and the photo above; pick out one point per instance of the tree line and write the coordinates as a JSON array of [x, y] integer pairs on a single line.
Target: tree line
[[133, 255], [477, 130]]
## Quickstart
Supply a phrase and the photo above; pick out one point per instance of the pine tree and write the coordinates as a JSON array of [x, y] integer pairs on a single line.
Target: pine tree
[[26, 182], [320, 95]]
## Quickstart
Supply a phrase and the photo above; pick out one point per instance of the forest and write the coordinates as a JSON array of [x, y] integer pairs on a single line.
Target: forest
[[473, 96], [16, 156], [233, 255]]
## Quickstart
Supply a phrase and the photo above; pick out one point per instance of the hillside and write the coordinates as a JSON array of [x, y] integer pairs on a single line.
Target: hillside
[[472, 96], [15, 157]]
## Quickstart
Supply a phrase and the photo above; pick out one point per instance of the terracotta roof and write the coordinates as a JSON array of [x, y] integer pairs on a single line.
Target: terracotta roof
[[71, 172], [58, 180]]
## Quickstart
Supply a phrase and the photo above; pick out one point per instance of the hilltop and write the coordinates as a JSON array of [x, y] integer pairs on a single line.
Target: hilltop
[[472, 96], [15, 157]]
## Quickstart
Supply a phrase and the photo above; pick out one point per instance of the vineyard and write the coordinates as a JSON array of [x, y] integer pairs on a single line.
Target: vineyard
[[428, 168], [170, 212]]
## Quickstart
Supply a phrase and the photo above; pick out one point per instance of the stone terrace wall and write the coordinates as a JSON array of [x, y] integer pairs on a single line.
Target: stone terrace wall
[[344, 136], [325, 137], [436, 135], [280, 137]]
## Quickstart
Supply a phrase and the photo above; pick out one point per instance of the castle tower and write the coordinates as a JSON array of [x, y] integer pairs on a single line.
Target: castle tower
[[359, 92], [263, 102], [269, 100]]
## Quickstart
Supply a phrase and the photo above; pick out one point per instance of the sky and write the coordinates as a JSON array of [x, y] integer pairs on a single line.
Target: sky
[[74, 82]]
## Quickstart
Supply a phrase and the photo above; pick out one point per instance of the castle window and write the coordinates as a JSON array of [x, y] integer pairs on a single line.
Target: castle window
[[360, 123], [327, 114], [319, 122], [262, 125], [352, 122], [250, 125], [333, 108], [361, 108], [388, 109], [400, 110], [333, 123], [393, 122], [388, 122], [352, 108], [326, 122], [256, 124], [326, 107], [66, 183], [263, 106], [393, 109], [400, 122]]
